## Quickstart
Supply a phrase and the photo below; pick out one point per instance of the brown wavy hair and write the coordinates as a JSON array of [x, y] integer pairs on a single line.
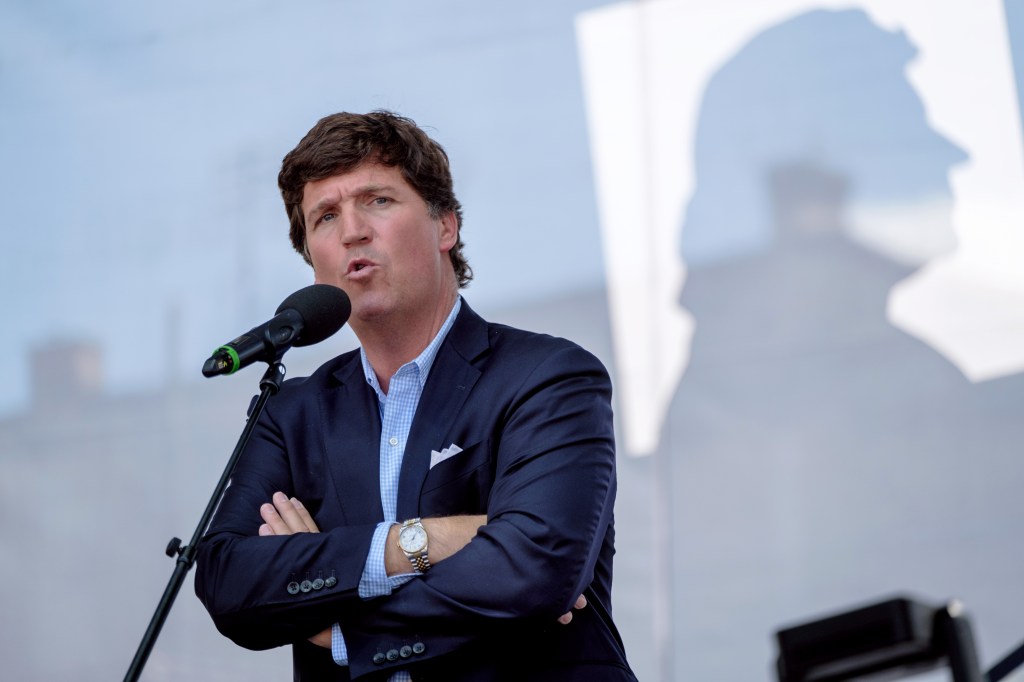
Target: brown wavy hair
[[342, 142]]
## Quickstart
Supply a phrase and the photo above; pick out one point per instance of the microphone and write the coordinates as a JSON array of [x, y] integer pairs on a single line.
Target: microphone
[[306, 317]]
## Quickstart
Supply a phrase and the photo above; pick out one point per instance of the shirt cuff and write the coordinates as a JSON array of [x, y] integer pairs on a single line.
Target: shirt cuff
[[375, 581], [338, 649]]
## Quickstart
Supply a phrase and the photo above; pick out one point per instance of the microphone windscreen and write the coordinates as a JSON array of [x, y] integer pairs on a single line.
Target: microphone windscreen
[[324, 309]]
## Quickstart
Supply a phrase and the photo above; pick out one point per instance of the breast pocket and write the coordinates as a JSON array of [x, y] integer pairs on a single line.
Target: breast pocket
[[460, 484]]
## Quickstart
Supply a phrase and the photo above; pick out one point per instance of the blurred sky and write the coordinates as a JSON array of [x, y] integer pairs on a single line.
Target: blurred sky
[[141, 145], [140, 148]]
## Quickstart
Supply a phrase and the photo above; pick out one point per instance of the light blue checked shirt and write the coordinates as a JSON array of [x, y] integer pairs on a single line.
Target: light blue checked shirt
[[397, 408]]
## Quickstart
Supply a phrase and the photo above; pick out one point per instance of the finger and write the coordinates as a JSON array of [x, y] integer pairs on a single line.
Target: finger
[[266, 530], [305, 516], [581, 602], [272, 519], [565, 619], [287, 511], [322, 638]]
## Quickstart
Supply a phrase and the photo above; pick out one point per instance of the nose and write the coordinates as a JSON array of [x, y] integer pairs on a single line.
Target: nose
[[354, 229], [948, 152], [955, 154]]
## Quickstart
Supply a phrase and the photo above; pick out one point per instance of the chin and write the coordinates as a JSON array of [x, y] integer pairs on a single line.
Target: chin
[[368, 311]]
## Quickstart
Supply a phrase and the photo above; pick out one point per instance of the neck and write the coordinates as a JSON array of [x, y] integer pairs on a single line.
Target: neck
[[804, 295], [391, 343]]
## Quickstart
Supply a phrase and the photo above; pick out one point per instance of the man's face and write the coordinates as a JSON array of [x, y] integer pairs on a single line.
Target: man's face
[[370, 233]]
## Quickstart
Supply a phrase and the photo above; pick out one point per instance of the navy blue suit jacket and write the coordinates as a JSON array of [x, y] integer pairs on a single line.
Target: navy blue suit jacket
[[532, 414]]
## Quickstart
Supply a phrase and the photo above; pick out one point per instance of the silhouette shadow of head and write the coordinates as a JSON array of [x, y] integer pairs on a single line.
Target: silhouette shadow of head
[[812, 129]]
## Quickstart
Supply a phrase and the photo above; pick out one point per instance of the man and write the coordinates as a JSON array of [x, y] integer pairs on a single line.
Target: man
[[435, 504]]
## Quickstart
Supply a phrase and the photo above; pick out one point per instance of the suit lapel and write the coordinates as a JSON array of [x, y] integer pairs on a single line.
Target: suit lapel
[[351, 433], [451, 379]]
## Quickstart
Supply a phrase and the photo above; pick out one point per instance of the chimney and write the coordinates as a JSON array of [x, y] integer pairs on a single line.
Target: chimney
[[65, 372]]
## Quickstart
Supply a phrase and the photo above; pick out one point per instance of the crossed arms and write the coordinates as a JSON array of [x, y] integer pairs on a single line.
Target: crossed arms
[[546, 441], [449, 534]]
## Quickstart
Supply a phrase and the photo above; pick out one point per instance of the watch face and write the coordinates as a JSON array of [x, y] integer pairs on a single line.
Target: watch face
[[412, 539]]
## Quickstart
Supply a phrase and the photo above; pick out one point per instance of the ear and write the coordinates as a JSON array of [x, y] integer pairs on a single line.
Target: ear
[[448, 231]]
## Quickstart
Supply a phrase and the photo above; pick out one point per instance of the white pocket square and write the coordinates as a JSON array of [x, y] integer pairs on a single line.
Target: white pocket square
[[438, 457]]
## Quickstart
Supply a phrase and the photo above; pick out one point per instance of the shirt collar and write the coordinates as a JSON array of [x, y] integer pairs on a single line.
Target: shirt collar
[[422, 362]]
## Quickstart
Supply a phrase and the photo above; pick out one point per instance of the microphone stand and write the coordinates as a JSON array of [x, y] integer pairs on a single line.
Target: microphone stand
[[269, 385]]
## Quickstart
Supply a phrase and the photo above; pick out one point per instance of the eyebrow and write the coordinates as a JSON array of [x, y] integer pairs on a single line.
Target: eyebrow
[[319, 206], [375, 189], [327, 202]]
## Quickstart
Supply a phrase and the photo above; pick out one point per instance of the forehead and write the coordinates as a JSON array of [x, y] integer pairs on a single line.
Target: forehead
[[368, 177]]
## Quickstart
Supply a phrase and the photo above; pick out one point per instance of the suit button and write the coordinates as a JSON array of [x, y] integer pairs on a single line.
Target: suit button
[[418, 648], [293, 587], [318, 584], [405, 651], [306, 586], [331, 582], [392, 654], [379, 658]]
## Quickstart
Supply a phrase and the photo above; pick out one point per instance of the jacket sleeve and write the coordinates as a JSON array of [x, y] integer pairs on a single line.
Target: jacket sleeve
[[549, 511], [264, 592]]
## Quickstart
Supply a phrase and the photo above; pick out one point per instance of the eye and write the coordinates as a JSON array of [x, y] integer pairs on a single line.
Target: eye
[[325, 218], [381, 201]]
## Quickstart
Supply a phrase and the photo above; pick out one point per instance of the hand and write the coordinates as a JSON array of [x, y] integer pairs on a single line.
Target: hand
[[581, 601], [286, 516], [322, 639]]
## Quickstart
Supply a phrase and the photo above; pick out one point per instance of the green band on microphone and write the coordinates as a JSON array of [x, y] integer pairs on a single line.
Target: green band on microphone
[[235, 364]]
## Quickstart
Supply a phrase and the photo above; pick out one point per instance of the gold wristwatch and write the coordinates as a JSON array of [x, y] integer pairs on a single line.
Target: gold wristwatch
[[412, 539]]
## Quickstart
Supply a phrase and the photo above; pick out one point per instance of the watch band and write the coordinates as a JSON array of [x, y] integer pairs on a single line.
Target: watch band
[[420, 562]]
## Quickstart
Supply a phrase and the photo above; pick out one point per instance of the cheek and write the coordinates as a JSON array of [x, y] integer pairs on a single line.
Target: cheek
[[318, 253], [324, 265], [417, 259]]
